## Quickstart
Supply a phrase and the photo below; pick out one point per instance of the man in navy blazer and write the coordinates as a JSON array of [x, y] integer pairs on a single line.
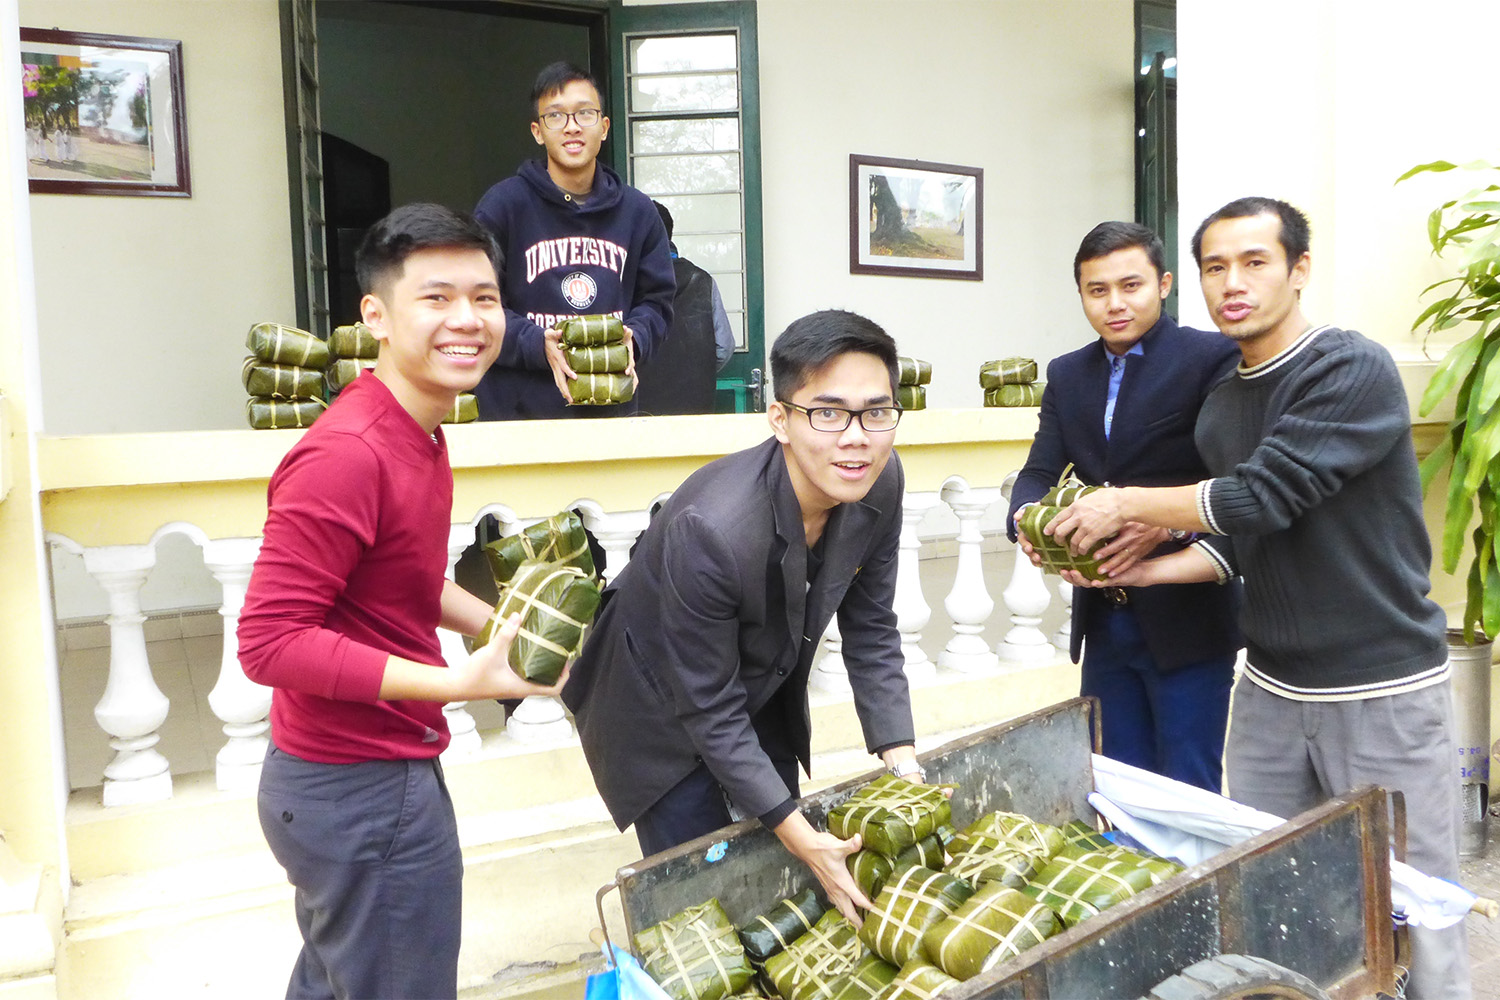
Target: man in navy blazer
[[691, 691], [1122, 411]]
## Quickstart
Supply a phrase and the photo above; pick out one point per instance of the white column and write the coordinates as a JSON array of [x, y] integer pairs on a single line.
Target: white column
[[968, 603], [1027, 597], [462, 729], [830, 674], [912, 610], [616, 532], [1063, 639], [240, 703], [133, 707]]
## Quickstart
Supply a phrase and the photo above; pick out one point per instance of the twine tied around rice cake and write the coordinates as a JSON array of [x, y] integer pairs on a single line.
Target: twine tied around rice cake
[[865, 981], [342, 371], [1160, 869], [870, 870], [995, 924], [353, 341], [267, 378], [1007, 371], [927, 852], [286, 345], [911, 397], [559, 539], [607, 389], [1079, 888], [911, 371], [465, 409], [1029, 394], [592, 330], [695, 954], [980, 857], [1055, 553], [266, 414], [918, 979], [1076, 831], [807, 968], [556, 604], [782, 924], [914, 898], [598, 359], [890, 814]]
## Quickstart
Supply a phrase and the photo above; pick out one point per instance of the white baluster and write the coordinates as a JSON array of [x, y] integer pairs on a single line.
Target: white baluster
[[831, 674], [240, 703], [463, 731], [968, 603], [1063, 638], [133, 707], [1027, 597], [912, 610], [616, 532]]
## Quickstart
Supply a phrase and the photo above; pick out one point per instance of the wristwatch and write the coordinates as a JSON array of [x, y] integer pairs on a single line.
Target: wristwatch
[[906, 768], [1178, 535]]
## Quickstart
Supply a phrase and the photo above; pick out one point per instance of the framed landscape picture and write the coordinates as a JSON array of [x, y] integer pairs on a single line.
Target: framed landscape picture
[[104, 114], [916, 218]]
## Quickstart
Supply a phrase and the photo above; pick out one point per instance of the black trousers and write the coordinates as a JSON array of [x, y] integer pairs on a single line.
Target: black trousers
[[694, 806]]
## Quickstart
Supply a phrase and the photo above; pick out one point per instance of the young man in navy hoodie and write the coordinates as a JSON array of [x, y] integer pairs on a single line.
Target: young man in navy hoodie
[[576, 240]]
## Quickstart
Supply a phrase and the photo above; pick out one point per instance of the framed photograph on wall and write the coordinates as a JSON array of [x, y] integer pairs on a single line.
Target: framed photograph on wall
[[915, 218], [104, 114]]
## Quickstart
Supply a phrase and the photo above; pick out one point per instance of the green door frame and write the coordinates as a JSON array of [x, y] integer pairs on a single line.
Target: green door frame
[[742, 378]]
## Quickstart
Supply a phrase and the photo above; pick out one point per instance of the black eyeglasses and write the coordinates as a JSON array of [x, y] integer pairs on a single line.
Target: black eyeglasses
[[835, 419], [583, 118]]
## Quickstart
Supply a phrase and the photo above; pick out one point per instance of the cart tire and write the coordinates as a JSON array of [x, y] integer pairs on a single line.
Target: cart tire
[[1236, 977]]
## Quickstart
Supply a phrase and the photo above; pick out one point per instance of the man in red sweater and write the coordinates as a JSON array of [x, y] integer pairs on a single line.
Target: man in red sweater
[[341, 619]]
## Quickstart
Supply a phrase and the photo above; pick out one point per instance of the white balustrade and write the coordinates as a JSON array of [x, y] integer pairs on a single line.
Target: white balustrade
[[1063, 638], [912, 610], [237, 701], [1026, 597], [463, 732], [968, 603], [133, 707], [831, 674]]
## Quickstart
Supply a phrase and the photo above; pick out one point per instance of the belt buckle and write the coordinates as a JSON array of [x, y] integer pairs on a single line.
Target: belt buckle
[[1117, 595]]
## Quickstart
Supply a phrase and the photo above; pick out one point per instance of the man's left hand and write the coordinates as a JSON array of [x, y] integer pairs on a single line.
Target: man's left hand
[[1091, 518], [558, 362], [630, 354]]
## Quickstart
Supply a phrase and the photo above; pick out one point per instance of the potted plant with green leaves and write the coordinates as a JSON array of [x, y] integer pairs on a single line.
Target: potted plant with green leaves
[[1466, 231]]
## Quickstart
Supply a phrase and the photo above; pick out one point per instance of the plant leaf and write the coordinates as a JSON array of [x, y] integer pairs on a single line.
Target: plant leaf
[[1458, 363], [1436, 462], [1436, 166], [1459, 511]]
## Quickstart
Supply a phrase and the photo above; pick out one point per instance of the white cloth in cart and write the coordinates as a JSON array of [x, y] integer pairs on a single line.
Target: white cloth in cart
[[1190, 824]]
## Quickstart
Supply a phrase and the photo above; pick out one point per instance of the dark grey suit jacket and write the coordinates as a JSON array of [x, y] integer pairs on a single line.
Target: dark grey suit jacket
[[713, 615]]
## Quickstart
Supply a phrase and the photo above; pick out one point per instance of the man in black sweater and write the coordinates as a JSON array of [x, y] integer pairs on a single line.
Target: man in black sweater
[[1316, 502]]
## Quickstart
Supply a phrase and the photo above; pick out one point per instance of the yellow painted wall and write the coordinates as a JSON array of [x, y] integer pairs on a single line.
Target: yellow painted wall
[[32, 778], [142, 299]]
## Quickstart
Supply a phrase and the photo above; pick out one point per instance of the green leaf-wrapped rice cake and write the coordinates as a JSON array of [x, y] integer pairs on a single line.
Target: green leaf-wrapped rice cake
[[1007, 371], [342, 371], [556, 604], [865, 981], [1029, 394], [266, 378], [465, 409], [695, 954], [1056, 554], [266, 414], [890, 814], [870, 870], [559, 539], [781, 925], [591, 330], [911, 371], [594, 360], [984, 857], [353, 341], [286, 345], [914, 898], [1076, 831], [607, 389], [807, 968], [918, 979], [911, 397], [927, 852], [1078, 888], [994, 924]]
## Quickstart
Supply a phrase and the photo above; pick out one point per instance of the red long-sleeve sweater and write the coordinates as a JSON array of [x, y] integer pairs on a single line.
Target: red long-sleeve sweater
[[351, 570]]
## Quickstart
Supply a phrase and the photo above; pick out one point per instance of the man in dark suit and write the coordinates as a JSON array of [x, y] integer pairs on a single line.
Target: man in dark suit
[[1122, 411], [691, 692]]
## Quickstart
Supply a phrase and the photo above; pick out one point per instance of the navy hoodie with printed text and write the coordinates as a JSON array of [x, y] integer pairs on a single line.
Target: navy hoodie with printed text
[[607, 254]]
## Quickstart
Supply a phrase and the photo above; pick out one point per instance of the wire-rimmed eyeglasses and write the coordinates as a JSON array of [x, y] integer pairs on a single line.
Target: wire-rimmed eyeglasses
[[835, 419], [583, 118]]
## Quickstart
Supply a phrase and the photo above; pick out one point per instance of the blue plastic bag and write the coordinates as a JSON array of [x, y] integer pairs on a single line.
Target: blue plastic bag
[[625, 981]]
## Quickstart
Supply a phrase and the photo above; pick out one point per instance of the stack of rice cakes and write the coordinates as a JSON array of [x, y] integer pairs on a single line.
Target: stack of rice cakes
[[594, 347], [911, 387], [284, 377], [352, 351], [948, 906], [1010, 382], [546, 574]]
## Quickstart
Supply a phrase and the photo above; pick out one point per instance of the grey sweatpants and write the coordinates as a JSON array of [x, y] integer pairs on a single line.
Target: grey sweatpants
[[1284, 757], [372, 849]]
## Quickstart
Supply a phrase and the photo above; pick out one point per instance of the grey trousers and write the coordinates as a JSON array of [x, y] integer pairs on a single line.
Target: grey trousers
[[372, 849], [1284, 757]]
